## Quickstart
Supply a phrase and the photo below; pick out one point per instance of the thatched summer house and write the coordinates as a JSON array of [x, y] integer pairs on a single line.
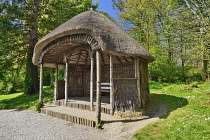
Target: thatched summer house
[[98, 56]]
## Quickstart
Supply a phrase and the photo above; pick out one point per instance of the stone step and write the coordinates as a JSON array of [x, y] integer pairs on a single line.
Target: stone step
[[69, 117], [74, 115], [83, 106]]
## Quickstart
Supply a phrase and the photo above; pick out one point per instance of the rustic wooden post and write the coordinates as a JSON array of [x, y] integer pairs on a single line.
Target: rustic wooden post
[[91, 83], [138, 79], [111, 87], [66, 80], [56, 83], [41, 84], [98, 90], [135, 66]]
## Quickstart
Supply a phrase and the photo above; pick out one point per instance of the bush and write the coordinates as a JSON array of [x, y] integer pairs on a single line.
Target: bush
[[164, 72], [194, 75], [10, 82], [38, 105], [6, 88]]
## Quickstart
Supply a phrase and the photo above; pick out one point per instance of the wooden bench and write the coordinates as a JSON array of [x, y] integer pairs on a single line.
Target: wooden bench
[[105, 88]]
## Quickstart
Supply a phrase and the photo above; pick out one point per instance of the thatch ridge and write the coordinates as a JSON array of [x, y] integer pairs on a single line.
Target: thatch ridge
[[110, 37]]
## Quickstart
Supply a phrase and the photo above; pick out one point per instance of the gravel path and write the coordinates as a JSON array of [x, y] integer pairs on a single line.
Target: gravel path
[[30, 125]]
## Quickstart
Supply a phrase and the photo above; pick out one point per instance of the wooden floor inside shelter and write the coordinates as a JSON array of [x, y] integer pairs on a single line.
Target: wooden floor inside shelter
[[84, 103]]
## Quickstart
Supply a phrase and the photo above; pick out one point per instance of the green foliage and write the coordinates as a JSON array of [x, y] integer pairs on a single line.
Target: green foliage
[[49, 77], [38, 106], [173, 32], [188, 117], [21, 101], [18, 22], [61, 74], [11, 82], [195, 75], [55, 12], [164, 72], [11, 48], [107, 15], [6, 88], [27, 80], [100, 125]]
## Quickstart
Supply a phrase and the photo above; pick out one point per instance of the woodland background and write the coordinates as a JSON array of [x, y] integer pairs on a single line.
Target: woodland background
[[175, 32]]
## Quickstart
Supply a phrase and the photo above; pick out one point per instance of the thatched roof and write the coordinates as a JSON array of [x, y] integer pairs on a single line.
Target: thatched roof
[[110, 37]]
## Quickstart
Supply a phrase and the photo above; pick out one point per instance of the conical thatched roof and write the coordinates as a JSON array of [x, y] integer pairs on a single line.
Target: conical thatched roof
[[110, 37]]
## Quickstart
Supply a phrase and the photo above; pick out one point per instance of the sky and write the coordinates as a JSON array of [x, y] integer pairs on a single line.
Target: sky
[[106, 6]]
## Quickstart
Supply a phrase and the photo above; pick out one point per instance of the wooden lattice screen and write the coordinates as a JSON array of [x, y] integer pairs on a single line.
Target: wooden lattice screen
[[79, 78], [61, 86], [125, 94], [79, 81]]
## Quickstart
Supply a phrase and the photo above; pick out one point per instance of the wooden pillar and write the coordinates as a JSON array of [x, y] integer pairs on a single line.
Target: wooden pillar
[[41, 84], [66, 80], [91, 83], [111, 86], [56, 83], [135, 66], [98, 90], [138, 79]]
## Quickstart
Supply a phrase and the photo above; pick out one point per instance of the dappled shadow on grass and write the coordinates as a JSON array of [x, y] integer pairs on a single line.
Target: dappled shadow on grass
[[24, 102], [161, 105]]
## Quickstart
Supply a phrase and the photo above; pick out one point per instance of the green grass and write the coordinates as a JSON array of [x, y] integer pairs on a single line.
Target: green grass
[[21, 101], [189, 114], [187, 119], [9, 96]]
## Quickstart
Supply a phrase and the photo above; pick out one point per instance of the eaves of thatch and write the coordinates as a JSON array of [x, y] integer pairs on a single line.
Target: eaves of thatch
[[110, 38]]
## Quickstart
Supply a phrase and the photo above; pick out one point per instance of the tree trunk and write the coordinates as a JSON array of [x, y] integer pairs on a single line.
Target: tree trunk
[[205, 62], [31, 78]]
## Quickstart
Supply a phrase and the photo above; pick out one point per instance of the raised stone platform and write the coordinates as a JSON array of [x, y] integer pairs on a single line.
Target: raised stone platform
[[84, 103], [74, 115]]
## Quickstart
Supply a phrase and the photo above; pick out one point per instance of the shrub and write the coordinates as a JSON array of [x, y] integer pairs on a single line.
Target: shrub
[[38, 105]]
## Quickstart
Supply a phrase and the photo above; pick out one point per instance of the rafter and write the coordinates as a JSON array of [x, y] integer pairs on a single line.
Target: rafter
[[102, 58], [132, 58], [125, 59], [119, 60], [79, 55], [86, 58]]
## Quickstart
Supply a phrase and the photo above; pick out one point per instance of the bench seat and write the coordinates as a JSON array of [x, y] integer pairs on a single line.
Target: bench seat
[[105, 84], [105, 87]]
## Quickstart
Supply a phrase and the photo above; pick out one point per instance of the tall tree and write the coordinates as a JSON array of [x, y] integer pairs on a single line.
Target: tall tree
[[173, 31], [31, 79], [12, 46], [201, 12], [28, 20]]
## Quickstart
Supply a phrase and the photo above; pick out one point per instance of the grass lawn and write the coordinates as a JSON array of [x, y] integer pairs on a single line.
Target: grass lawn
[[189, 114], [187, 119], [21, 101]]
